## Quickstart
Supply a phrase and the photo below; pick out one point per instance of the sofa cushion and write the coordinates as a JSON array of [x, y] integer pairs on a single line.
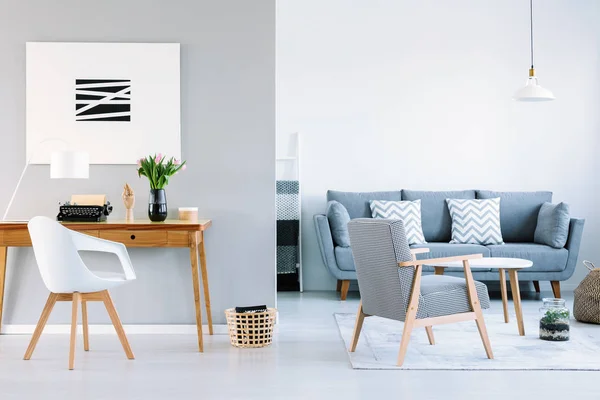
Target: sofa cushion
[[338, 218], [344, 259], [518, 212], [407, 211], [553, 225], [434, 211], [545, 258], [438, 250], [475, 221], [357, 203]]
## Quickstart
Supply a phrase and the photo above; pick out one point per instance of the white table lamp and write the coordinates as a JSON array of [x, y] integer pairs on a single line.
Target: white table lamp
[[69, 165], [63, 165]]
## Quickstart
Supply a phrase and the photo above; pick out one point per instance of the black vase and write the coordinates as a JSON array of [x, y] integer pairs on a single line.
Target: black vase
[[157, 205]]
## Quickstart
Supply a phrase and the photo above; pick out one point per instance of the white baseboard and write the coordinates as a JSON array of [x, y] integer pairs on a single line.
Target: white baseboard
[[109, 329]]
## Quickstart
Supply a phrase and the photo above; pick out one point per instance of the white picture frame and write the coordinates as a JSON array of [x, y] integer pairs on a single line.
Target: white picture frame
[[72, 100]]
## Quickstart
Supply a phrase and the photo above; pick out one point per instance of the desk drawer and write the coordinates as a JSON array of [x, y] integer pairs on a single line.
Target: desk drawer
[[136, 238]]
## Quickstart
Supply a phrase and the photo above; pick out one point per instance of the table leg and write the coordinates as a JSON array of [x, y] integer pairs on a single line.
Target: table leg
[[504, 294], [3, 251], [204, 273], [196, 282], [516, 295]]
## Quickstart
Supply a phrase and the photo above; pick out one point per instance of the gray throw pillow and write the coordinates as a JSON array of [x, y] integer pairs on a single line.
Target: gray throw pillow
[[338, 218], [553, 225]]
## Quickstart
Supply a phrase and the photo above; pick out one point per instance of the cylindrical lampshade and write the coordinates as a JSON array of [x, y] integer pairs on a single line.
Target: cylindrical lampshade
[[70, 165]]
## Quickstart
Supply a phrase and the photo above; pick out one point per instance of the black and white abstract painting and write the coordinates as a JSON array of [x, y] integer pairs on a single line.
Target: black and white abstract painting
[[103, 100], [117, 101]]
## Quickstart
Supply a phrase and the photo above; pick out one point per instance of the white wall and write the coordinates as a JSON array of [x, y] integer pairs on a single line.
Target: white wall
[[417, 95], [228, 139]]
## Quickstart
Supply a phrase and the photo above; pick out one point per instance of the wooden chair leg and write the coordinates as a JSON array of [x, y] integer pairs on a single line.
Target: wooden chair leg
[[76, 300], [476, 307], [556, 288], [411, 314], [344, 289], [360, 317], [536, 286], [430, 336], [84, 323], [41, 324], [114, 317]]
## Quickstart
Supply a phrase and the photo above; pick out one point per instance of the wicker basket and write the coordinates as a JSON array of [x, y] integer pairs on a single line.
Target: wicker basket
[[586, 306], [253, 329]]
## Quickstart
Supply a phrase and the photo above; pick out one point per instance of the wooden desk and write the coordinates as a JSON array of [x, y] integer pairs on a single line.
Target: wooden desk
[[143, 233]]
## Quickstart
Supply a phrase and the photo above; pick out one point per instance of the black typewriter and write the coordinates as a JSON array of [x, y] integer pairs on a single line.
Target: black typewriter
[[73, 212]]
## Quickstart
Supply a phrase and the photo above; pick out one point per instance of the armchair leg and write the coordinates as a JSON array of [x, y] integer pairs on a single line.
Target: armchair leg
[[556, 288], [536, 286], [84, 323], [114, 317], [40, 325], [476, 307], [360, 317], [430, 336], [344, 289], [411, 314], [76, 301]]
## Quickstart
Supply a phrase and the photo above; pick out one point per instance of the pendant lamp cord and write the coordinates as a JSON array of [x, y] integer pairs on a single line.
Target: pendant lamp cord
[[531, 28]]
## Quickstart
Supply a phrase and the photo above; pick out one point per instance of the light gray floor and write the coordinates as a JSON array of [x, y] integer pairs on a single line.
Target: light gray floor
[[308, 361]]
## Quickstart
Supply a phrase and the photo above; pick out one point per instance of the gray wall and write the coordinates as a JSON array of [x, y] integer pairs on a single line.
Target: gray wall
[[228, 138]]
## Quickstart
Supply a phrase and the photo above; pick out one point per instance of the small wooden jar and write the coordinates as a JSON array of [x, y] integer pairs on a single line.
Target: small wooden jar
[[188, 214]]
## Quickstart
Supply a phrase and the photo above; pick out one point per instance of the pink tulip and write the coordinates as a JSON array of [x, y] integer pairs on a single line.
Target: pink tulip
[[184, 167], [159, 157], [177, 162], [139, 163]]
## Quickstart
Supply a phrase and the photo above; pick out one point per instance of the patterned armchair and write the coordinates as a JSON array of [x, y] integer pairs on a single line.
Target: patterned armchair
[[392, 286]]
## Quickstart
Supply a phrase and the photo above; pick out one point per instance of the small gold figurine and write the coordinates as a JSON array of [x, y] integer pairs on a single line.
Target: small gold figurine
[[129, 201]]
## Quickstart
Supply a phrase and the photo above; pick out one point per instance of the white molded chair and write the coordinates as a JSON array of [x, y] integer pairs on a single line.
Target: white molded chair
[[56, 251]]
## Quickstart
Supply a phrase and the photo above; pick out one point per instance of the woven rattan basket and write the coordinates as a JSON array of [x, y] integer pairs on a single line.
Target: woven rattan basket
[[253, 329], [586, 306]]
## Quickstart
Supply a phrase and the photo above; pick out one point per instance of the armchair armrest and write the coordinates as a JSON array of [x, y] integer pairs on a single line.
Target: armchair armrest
[[435, 261], [85, 242], [573, 244]]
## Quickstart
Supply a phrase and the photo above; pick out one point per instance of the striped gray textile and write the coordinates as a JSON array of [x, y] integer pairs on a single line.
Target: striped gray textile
[[288, 226], [378, 246]]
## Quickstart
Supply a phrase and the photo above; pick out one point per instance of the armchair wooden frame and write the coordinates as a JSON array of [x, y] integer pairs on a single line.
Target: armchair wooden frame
[[411, 321], [78, 298]]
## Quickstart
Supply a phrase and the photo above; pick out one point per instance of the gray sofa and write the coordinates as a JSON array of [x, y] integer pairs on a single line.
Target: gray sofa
[[518, 219]]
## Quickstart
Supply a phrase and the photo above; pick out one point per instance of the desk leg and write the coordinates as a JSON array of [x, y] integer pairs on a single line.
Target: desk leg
[[516, 295], [504, 294], [196, 282], [2, 280], [204, 273]]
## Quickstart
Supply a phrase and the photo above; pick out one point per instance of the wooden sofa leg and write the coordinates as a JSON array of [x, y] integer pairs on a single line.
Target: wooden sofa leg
[[556, 288], [344, 289], [536, 286], [339, 285]]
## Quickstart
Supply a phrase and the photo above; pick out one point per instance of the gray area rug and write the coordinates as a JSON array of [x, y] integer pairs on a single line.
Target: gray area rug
[[458, 346]]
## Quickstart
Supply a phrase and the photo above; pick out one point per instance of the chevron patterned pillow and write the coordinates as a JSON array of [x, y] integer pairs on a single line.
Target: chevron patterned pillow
[[407, 211], [475, 221]]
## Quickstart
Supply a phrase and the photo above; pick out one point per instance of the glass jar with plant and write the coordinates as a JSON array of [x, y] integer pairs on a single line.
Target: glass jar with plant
[[554, 321], [158, 170]]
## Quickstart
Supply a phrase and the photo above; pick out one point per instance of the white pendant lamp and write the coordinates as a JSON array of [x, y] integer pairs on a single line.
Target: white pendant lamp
[[532, 90]]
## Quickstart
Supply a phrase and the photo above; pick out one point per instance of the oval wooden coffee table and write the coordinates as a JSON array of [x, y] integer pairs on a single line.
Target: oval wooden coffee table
[[512, 265]]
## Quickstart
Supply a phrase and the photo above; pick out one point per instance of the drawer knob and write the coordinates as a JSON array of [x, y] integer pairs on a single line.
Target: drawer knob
[[132, 237]]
